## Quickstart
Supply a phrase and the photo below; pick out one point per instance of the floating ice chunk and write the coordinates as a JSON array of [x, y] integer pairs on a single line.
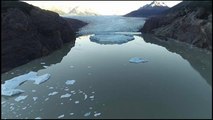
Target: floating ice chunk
[[24, 108], [53, 93], [12, 92], [61, 116], [76, 102], [45, 66], [8, 88], [85, 96], [71, 113], [38, 118], [46, 99], [50, 87], [33, 90], [19, 98], [92, 97], [35, 98], [111, 39], [97, 114], [3, 102], [137, 60], [66, 89], [87, 114], [42, 63], [70, 82], [90, 108], [65, 95], [40, 79]]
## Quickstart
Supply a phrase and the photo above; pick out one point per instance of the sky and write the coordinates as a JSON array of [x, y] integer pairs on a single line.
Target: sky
[[102, 7]]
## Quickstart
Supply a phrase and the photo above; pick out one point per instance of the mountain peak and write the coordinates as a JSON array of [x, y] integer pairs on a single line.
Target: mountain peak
[[155, 4]]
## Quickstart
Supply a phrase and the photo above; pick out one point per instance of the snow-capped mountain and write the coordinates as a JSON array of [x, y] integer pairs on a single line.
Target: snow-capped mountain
[[78, 10], [154, 8], [155, 4]]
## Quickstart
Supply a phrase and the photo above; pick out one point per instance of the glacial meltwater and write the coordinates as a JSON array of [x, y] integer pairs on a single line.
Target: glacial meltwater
[[92, 79]]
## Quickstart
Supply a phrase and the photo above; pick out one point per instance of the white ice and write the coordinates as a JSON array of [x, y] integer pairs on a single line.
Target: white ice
[[53, 93], [111, 38], [35, 98], [97, 114], [137, 60], [38, 118], [76, 102], [70, 82], [104, 24], [61, 116], [19, 98], [92, 97], [9, 87], [87, 114], [65, 95]]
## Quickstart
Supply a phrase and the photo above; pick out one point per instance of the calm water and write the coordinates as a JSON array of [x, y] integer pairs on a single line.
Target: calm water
[[175, 83]]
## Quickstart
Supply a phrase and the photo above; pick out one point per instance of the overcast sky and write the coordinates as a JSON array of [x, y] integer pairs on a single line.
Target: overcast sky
[[103, 7]]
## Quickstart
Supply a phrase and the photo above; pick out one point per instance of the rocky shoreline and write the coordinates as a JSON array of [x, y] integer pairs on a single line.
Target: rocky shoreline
[[189, 22], [29, 32]]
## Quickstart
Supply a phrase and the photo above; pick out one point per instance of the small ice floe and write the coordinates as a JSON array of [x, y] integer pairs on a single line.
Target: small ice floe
[[38, 118], [90, 108], [19, 98], [66, 89], [24, 108], [50, 87], [71, 113], [35, 98], [65, 95], [85, 96], [61, 116], [92, 97], [93, 92], [76, 102], [42, 63], [89, 66], [72, 91], [87, 114], [137, 60], [53, 93], [12, 73], [97, 114], [33, 90], [45, 66], [111, 39], [3, 102], [70, 82], [9, 87], [46, 99]]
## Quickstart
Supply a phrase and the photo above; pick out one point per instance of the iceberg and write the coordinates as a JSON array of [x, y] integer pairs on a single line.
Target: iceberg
[[87, 114], [9, 87], [53, 93], [111, 38], [70, 82], [137, 60]]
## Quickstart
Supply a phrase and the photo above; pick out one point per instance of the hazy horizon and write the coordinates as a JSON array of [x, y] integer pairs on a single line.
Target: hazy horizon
[[100, 7]]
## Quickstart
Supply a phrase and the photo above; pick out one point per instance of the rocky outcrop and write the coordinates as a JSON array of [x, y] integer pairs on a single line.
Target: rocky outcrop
[[29, 32], [152, 9], [189, 22]]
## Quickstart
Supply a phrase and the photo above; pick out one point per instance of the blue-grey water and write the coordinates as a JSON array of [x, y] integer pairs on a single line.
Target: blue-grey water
[[174, 83]]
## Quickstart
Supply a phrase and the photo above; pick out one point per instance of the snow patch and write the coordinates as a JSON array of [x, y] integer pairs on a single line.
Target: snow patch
[[137, 60], [111, 38]]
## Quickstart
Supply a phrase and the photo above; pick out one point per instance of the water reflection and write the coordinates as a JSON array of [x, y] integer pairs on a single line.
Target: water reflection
[[199, 59], [38, 64]]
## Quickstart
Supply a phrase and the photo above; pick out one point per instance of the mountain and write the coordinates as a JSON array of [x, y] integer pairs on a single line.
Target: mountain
[[78, 10], [28, 32], [148, 10], [189, 21]]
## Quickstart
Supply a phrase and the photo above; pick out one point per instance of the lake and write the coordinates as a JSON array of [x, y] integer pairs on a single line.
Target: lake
[[174, 83]]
